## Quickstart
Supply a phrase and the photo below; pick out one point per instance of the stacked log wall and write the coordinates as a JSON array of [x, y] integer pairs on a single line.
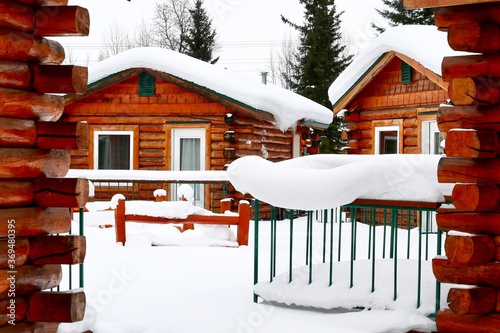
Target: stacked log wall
[[471, 162], [35, 202]]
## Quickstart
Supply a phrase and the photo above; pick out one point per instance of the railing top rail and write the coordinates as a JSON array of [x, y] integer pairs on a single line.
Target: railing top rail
[[206, 177], [395, 204]]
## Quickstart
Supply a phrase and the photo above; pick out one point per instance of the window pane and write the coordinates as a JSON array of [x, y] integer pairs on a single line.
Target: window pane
[[438, 138], [114, 152], [388, 142]]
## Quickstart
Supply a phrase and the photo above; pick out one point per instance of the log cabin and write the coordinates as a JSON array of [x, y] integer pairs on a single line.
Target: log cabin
[[390, 94], [155, 109]]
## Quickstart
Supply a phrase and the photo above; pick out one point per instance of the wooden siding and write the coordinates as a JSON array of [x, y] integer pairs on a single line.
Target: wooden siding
[[119, 107], [384, 101]]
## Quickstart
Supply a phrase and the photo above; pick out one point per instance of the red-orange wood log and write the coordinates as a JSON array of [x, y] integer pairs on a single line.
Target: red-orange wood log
[[32, 163], [484, 65], [62, 135], [469, 117], [20, 46], [471, 144], [13, 310], [473, 301], [225, 205], [65, 79], [16, 15], [30, 105], [244, 222], [14, 252], [33, 221], [65, 307], [446, 271], [470, 249], [120, 233], [62, 21], [63, 250], [28, 279], [16, 193], [46, 2], [469, 170], [448, 322], [31, 328], [17, 132], [481, 91], [474, 37], [468, 13], [474, 223], [476, 197], [61, 192]]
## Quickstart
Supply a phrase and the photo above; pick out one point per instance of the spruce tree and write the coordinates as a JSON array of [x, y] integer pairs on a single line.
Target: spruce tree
[[320, 58], [200, 38], [396, 15]]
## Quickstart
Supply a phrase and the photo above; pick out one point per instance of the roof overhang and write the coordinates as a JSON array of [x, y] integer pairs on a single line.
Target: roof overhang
[[191, 86], [376, 68]]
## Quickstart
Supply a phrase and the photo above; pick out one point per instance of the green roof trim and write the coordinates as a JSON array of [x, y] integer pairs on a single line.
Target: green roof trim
[[360, 78]]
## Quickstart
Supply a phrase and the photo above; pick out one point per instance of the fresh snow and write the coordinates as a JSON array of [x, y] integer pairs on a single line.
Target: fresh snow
[[335, 180], [424, 44], [287, 107]]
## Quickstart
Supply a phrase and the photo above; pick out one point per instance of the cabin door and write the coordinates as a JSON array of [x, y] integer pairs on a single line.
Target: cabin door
[[188, 154]]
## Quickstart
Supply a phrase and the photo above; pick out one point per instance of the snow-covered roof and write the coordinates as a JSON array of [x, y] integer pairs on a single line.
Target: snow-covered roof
[[286, 107], [424, 44]]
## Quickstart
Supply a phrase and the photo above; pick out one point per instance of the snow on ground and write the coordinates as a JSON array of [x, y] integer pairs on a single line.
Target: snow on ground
[[195, 287]]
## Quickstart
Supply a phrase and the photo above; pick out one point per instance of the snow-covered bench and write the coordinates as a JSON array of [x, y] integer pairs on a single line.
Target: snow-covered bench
[[179, 212]]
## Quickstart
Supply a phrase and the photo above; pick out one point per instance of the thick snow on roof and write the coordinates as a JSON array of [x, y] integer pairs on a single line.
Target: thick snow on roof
[[424, 44], [286, 106]]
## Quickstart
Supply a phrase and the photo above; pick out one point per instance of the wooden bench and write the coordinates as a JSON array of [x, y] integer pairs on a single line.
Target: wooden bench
[[242, 220]]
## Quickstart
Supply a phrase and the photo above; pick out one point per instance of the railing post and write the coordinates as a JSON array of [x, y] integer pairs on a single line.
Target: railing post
[[256, 248], [120, 222], [243, 222], [290, 268]]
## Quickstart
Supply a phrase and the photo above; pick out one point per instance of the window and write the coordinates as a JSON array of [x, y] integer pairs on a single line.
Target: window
[[386, 140], [113, 150], [146, 84], [431, 138]]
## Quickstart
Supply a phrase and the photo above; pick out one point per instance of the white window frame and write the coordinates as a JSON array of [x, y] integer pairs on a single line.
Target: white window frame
[[96, 145], [380, 129], [429, 128]]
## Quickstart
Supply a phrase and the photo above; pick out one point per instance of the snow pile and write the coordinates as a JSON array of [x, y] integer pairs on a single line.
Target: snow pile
[[166, 209], [286, 106], [335, 180]]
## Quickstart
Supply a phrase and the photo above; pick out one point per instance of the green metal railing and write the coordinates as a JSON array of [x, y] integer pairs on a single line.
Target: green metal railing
[[389, 220]]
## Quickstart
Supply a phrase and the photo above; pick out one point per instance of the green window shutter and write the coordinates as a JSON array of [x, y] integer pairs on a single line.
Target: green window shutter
[[146, 84], [406, 73]]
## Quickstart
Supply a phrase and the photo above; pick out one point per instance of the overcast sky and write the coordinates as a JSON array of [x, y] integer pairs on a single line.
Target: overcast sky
[[248, 30]]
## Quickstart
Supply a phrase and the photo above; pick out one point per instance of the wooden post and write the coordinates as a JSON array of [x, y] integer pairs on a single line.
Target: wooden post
[[34, 221], [225, 205], [471, 144], [473, 301], [62, 250], [470, 249], [66, 307], [61, 192], [17, 256], [29, 279], [476, 197], [121, 235], [244, 222], [448, 322], [32, 163]]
